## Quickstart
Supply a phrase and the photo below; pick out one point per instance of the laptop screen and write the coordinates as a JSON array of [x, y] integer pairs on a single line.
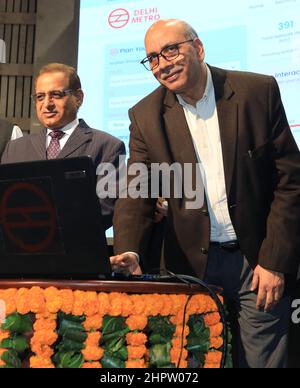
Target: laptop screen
[[50, 221]]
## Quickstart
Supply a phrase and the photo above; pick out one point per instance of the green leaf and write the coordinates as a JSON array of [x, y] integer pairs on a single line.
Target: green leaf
[[66, 325], [11, 359], [160, 355], [110, 362], [71, 318], [198, 345], [18, 323], [75, 335], [116, 335], [197, 325], [113, 325], [19, 344], [68, 360], [70, 346], [163, 327]]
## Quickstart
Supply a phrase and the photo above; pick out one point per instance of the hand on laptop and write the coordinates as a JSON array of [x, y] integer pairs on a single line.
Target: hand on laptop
[[127, 264]]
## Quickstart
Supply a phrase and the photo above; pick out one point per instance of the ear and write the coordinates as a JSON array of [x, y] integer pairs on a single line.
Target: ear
[[200, 48], [79, 95]]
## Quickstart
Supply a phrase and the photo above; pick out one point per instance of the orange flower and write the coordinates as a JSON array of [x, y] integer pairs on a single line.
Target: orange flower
[[53, 300], [92, 353], [37, 300], [216, 343], [44, 324], [104, 304], [167, 306], [40, 363], [212, 366], [213, 358], [179, 330], [179, 302], [79, 303], [128, 307], [136, 352], [41, 350], [212, 319], [93, 323], [91, 306], [67, 301], [46, 315], [115, 300], [175, 355], [135, 322], [177, 342], [154, 305], [91, 365], [2, 351], [217, 330], [93, 339], [23, 301], [138, 304], [139, 364], [136, 339], [4, 335], [44, 337]]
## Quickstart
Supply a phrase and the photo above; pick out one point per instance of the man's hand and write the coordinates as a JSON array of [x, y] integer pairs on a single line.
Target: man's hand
[[270, 286], [161, 210], [127, 264]]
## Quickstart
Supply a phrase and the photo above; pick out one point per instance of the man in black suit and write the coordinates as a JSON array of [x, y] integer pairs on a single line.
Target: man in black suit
[[58, 97], [245, 238]]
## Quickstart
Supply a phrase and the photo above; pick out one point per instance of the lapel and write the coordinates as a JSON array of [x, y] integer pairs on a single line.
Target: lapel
[[228, 122], [39, 144], [81, 135]]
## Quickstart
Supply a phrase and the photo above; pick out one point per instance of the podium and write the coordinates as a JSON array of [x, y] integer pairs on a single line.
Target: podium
[[108, 324]]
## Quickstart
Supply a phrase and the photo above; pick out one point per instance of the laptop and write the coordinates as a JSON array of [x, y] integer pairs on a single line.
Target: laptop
[[50, 221]]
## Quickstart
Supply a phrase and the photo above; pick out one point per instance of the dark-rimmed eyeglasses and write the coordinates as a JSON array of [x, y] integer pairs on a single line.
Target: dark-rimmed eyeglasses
[[169, 53], [53, 95]]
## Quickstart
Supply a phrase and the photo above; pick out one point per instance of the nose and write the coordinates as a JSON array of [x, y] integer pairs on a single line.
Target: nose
[[164, 64]]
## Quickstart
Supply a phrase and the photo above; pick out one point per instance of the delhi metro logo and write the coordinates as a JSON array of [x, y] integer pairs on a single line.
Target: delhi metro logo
[[119, 18]]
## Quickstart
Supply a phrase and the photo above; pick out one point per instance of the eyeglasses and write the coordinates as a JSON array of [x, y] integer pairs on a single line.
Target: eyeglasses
[[53, 95], [169, 53]]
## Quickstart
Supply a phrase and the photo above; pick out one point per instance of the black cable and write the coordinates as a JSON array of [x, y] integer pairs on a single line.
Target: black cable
[[215, 297]]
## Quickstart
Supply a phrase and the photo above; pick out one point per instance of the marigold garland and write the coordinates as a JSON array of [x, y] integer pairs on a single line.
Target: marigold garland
[[47, 303]]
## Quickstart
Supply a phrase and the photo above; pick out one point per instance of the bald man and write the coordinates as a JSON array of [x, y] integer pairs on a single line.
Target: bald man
[[246, 236]]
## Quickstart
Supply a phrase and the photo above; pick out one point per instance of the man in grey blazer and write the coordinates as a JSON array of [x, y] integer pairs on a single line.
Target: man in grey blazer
[[245, 238], [58, 97]]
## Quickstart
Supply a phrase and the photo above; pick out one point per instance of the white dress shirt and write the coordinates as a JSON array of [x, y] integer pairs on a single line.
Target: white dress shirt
[[68, 129], [16, 133], [203, 123]]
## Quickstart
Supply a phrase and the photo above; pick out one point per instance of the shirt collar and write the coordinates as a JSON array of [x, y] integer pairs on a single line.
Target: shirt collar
[[207, 92], [69, 128]]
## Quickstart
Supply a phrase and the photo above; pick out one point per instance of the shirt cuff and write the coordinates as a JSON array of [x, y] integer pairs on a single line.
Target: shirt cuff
[[135, 254]]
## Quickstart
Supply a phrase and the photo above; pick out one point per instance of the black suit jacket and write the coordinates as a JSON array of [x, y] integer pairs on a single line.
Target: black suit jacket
[[262, 172], [85, 141]]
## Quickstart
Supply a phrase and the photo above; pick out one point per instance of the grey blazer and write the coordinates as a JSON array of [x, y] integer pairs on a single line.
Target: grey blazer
[[6, 129], [85, 141]]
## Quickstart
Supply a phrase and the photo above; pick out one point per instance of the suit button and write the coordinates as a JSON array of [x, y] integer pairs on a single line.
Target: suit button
[[205, 212], [204, 251]]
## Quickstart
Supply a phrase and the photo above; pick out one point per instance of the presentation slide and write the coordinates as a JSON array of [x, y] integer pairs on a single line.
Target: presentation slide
[[262, 36]]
